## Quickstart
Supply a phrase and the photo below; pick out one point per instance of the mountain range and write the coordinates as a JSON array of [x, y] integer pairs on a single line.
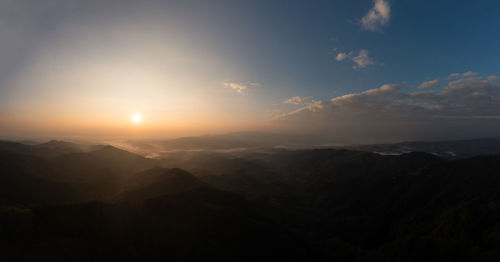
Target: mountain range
[[69, 202], [244, 142]]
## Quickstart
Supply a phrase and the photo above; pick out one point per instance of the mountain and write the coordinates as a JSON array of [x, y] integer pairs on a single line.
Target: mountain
[[97, 174], [57, 148], [156, 182], [362, 206], [456, 149], [107, 204], [15, 147], [191, 224], [222, 143], [23, 181], [247, 142], [49, 149]]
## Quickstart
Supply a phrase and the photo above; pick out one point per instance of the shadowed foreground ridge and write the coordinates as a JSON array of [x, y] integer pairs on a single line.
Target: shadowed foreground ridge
[[105, 204]]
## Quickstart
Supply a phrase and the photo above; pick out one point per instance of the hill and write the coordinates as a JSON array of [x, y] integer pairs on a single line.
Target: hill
[[313, 205]]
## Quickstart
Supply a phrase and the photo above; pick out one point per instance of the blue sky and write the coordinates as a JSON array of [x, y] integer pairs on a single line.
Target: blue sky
[[238, 61], [293, 41]]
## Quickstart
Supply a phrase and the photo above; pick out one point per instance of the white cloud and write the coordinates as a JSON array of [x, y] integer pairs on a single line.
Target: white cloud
[[493, 78], [465, 107], [429, 84], [378, 16], [469, 74], [362, 59], [341, 56], [464, 75], [240, 87], [297, 100]]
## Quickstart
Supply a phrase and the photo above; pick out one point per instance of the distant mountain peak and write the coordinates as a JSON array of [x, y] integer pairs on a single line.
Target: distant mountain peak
[[159, 181]]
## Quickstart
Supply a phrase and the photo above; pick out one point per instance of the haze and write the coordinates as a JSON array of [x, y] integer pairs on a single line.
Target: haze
[[343, 71]]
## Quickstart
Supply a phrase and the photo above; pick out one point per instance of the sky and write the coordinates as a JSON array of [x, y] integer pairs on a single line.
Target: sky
[[357, 71]]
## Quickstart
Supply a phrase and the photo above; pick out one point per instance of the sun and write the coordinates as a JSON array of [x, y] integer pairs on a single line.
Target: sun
[[136, 118]]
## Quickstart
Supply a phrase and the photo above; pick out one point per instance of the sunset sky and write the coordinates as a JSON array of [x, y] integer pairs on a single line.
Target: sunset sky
[[351, 71]]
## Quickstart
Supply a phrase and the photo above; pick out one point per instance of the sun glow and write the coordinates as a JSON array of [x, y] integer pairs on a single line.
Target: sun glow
[[136, 118]]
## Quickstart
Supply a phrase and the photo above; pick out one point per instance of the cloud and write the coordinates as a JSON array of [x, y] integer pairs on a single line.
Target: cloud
[[297, 100], [464, 75], [240, 87], [362, 59], [463, 108], [236, 86], [469, 74], [341, 56], [376, 17], [429, 84], [493, 78]]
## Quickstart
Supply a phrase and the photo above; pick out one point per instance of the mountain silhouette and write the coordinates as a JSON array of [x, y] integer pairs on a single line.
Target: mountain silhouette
[[104, 203], [156, 182]]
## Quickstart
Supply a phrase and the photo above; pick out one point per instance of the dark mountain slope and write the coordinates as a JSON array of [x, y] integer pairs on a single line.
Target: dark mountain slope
[[57, 148], [454, 149], [48, 149], [103, 170], [15, 147], [22, 182], [408, 213], [74, 177], [156, 182], [323, 204], [365, 206], [198, 224]]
